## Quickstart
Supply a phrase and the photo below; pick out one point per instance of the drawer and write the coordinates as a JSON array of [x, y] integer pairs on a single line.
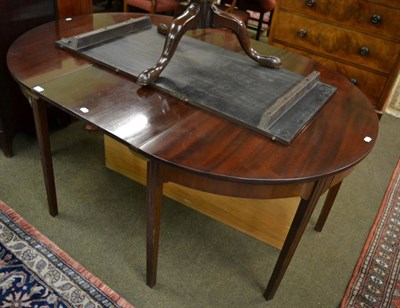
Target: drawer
[[336, 42], [356, 14], [371, 84]]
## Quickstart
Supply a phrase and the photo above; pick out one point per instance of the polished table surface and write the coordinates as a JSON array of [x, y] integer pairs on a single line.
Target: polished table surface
[[190, 146]]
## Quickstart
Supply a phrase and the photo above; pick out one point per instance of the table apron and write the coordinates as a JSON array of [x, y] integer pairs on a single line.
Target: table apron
[[239, 189]]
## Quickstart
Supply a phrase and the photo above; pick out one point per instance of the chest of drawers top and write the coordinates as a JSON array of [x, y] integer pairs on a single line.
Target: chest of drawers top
[[378, 17]]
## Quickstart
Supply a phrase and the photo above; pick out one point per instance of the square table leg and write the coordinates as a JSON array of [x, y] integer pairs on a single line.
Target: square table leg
[[42, 133], [155, 181], [299, 224], [330, 199], [153, 200]]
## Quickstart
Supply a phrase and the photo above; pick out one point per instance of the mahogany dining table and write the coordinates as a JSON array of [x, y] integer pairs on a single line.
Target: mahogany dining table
[[190, 146]]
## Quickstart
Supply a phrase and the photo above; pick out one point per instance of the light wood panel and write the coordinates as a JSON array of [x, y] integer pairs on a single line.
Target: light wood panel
[[265, 220]]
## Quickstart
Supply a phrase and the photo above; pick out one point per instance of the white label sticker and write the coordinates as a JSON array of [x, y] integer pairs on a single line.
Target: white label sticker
[[367, 139], [38, 89]]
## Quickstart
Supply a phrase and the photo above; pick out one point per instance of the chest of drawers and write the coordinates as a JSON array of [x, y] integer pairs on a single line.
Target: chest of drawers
[[358, 38]]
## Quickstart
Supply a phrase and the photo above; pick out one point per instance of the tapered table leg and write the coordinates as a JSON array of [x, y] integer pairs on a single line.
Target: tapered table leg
[[330, 199], [42, 132], [300, 221], [154, 200]]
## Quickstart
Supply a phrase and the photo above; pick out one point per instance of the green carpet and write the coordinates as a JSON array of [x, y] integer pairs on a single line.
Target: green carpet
[[202, 262]]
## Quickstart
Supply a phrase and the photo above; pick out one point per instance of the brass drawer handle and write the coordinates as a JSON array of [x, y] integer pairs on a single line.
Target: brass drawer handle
[[376, 19], [302, 33], [354, 81], [364, 51], [310, 3]]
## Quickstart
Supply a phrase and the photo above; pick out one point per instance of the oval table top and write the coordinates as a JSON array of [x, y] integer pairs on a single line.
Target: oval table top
[[167, 129]]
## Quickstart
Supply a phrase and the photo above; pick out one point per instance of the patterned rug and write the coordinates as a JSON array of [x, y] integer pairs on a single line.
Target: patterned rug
[[375, 281], [34, 272], [393, 107]]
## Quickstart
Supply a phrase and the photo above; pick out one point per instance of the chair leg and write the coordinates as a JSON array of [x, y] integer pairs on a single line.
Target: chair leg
[[271, 14], [259, 27], [125, 6]]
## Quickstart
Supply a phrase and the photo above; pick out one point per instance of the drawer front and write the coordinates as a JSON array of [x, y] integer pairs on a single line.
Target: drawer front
[[369, 83], [332, 41], [356, 14], [372, 85]]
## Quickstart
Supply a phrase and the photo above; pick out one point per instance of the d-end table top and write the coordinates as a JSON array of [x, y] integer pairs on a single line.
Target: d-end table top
[[165, 128]]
